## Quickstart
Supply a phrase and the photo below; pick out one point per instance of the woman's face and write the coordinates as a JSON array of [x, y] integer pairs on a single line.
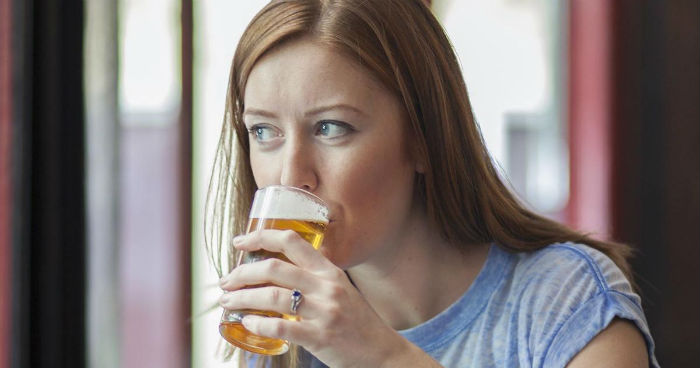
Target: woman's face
[[320, 122]]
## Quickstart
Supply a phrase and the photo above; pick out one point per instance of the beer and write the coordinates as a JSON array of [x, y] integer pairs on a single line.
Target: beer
[[280, 208], [309, 230]]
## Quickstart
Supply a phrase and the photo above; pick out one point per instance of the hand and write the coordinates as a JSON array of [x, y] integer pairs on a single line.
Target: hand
[[336, 324]]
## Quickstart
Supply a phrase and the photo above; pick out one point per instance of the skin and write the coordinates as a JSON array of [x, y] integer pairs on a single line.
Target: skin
[[320, 122], [619, 345]]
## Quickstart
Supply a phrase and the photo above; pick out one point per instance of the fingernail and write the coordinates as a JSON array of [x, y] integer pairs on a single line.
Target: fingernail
[[222, 281], [238, 240]]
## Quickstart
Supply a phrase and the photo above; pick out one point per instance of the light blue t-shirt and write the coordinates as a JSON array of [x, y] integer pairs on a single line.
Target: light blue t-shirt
[[535, 309]]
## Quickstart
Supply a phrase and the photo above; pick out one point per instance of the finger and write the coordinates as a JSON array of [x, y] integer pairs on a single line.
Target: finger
[[287, 242], [294, 331], [268, 298], [269, 271]]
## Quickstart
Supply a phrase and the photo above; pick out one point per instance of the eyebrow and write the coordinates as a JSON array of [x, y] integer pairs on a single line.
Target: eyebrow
[[259, 112], [314, 111], [340, 106]]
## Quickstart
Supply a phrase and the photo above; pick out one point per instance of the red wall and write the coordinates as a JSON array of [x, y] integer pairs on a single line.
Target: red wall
[[590, 38]]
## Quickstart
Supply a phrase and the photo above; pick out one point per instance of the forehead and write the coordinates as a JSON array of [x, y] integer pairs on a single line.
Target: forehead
[[306, 70]]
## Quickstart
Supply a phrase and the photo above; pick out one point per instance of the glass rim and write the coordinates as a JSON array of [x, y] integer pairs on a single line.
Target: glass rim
[[306, 193]]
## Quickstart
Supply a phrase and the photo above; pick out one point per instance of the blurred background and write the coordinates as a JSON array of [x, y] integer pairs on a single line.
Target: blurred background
[[109, 118]]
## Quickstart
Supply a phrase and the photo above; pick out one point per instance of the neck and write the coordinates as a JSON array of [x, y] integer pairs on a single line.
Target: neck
[[420, 279]]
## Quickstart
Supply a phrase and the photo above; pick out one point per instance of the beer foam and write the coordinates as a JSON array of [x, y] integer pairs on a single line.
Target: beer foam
[[281, 203]]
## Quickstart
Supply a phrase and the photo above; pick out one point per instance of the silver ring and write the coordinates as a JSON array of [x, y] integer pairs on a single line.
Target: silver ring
[[296, 300]]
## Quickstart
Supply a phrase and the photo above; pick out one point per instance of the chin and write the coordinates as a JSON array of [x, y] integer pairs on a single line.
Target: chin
[[341, 261], [328, 253]]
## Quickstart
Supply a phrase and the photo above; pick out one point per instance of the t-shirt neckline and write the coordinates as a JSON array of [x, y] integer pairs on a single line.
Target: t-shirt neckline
[[443, 327]]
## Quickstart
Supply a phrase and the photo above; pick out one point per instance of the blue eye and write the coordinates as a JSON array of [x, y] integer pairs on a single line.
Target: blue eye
[[333, 129], [263, 133]]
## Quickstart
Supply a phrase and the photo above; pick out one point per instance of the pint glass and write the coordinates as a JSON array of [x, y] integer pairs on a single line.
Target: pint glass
[[282, 208]]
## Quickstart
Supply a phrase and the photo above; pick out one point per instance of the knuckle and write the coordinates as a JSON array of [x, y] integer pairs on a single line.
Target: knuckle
[[289, 235], [335, 312], [277, 328], [272, 265], [275, 295], [336, 292]]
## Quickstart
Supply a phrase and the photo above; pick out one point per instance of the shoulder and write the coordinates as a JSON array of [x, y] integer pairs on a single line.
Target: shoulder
[[582, 270], [565, 294], [549, 285]]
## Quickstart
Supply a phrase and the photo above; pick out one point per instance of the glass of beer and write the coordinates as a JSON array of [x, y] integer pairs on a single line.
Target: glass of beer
[[283, 208]]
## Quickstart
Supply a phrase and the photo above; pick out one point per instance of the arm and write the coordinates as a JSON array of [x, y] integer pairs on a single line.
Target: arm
[[619, 345]]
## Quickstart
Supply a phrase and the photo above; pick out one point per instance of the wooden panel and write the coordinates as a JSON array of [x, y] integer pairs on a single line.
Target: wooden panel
[[656, 159], [681, 180], [185, 178], [5, 177], [56, 248]]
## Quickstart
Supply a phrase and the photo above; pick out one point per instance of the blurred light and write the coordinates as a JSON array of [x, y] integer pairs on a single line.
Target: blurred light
[[149, 74]]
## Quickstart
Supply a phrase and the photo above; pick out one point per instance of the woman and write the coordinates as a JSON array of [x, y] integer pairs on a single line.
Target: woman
[[428, 259]]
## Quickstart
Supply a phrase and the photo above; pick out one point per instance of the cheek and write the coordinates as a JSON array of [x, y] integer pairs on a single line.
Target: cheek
[[375, 187], [263, 169], [375, 194]]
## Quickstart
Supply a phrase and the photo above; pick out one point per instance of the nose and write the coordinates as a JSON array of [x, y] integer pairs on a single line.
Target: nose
[[298, 166]]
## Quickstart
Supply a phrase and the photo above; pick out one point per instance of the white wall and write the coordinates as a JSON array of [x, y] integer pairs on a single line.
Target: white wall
[[511, 53]]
